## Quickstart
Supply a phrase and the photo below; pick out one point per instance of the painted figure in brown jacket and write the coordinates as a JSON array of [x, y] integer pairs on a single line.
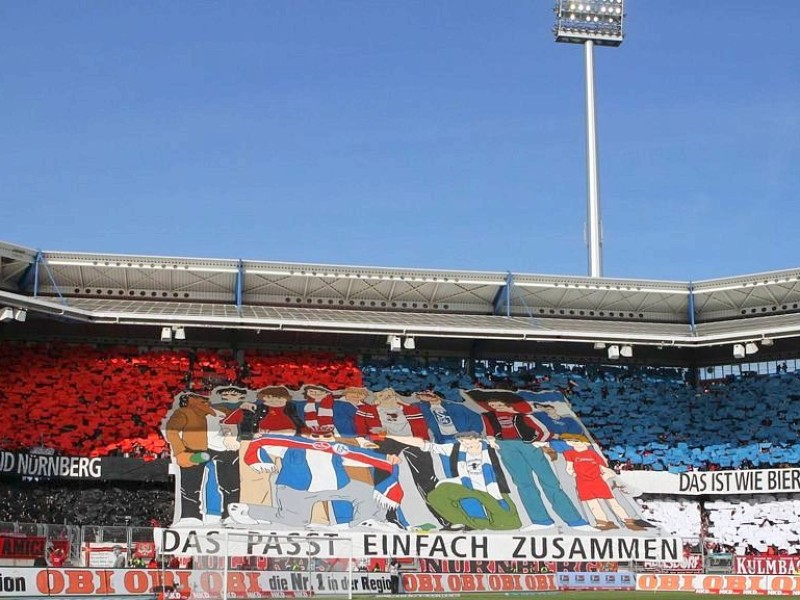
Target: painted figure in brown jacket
[[206, 451]]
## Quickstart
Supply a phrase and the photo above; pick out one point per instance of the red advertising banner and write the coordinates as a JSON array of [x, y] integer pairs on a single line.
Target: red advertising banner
[[28, 546], [434, 583], [772, 585], [36, 582]]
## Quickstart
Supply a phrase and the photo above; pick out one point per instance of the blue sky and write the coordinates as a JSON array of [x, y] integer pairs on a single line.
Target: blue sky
[[415, 133]]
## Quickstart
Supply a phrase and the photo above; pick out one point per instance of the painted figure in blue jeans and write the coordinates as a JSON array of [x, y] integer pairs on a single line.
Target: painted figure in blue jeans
[[522, 460]]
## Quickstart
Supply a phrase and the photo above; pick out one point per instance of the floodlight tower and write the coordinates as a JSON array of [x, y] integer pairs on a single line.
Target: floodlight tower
[[591, 22]]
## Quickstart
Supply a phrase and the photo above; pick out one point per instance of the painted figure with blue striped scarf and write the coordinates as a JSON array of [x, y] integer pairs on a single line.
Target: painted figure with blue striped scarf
[[475, 495], [316, 468]]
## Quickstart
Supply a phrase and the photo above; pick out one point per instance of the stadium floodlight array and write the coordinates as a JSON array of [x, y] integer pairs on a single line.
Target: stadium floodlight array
[[591, 22], [599, 21]]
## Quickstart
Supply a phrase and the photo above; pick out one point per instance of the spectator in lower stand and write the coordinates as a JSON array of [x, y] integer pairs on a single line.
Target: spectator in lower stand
[[394, 574], [137, 562], [120, 560], [40, 561], [58, 557]]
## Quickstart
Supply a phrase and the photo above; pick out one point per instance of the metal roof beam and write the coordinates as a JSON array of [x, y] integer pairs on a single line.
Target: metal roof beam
[[502, 298], [239, 284]]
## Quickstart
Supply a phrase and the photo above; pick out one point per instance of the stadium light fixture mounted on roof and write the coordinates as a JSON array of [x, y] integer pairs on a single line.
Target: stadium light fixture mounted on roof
[[591, 22], [395, 343], [8, 313], [174, 332]]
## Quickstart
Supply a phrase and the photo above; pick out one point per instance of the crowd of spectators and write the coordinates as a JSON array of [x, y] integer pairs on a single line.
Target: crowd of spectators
[[665, 424], [86, 400], [652, 419], [87, 503], [756, 524], [765, 524], [97, 401]]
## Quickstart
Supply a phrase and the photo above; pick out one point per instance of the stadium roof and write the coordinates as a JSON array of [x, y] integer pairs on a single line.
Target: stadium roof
[[110, 289]]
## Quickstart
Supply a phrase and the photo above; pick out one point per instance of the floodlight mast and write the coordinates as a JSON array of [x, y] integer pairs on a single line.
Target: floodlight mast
[[591, 22]]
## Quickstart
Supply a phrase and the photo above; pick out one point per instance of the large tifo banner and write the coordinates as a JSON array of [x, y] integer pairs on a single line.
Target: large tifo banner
[[383, 467], [719, 483], [366, 460]]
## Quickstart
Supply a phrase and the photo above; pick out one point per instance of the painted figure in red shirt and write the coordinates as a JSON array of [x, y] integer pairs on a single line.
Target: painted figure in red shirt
[[591, 480]]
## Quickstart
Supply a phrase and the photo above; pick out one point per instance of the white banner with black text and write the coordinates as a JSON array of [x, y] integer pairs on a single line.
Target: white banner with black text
[[722, 483], [473, 546]]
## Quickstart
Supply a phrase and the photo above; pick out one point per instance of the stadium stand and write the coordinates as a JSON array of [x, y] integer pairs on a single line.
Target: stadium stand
[[84, 503], [81, 399], [678, 516], [104, 400], [762, 523], [749, 421], [111, 400]]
